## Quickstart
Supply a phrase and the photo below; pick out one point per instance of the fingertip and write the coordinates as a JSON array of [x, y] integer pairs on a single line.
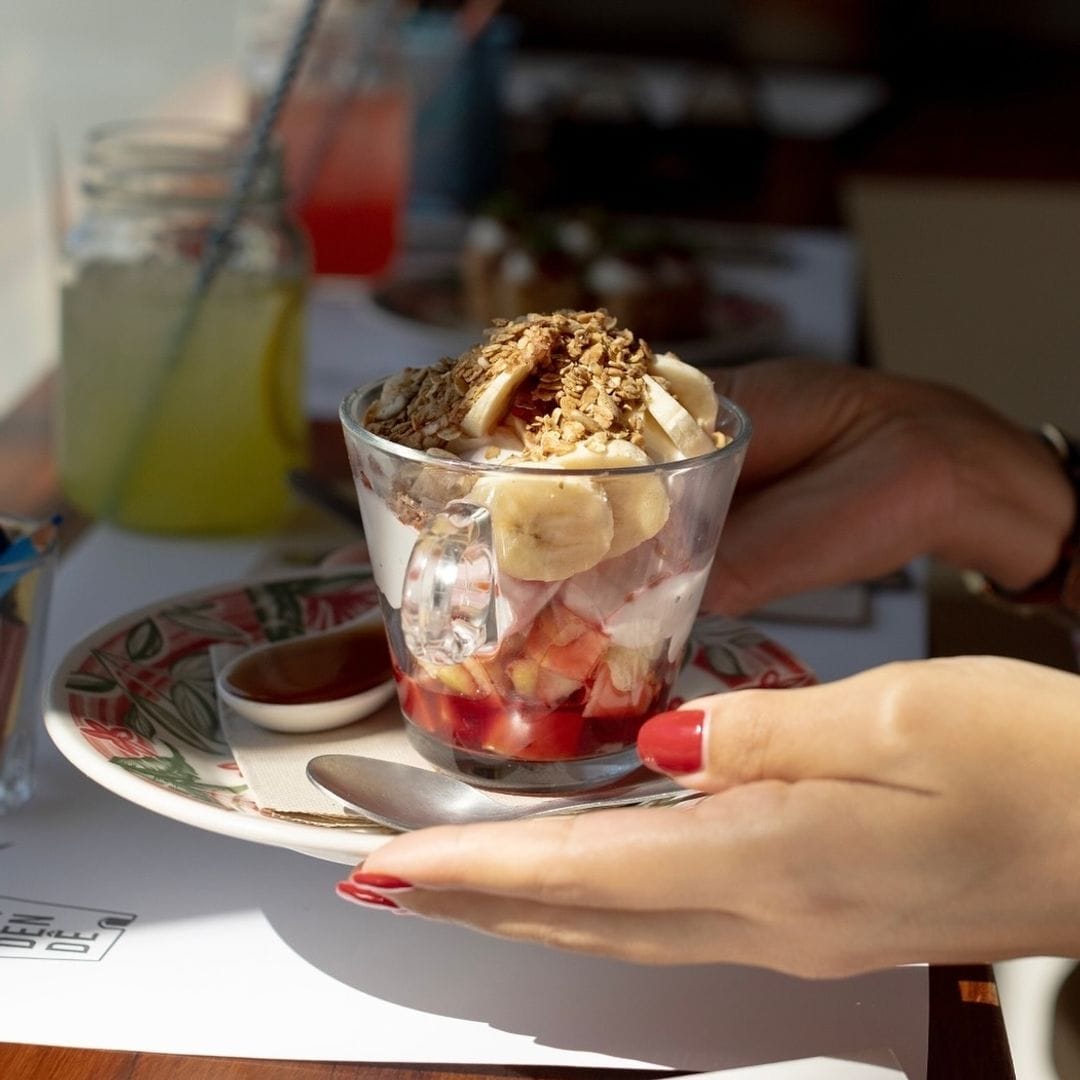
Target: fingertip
[[673, 742]]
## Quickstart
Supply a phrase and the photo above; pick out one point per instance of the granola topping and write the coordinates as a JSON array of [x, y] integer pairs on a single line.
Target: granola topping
[[574, 377]]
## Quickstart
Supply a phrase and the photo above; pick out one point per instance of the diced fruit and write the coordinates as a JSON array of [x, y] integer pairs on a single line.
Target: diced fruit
[[564, 690], [558, 625], [455, 677], [490, 673], [628, 667], [553, 688], [524, 673], [505, 734], [532, 682], [557, 738], [619, 689], [478, 673], [523, 730], [421, 708], [564, 643]]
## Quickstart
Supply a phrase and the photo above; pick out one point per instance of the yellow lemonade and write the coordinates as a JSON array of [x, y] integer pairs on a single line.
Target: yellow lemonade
[[200, 445]]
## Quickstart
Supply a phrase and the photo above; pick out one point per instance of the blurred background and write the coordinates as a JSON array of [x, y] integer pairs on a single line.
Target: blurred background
[[934, 138], [64, 67], [941, 131]]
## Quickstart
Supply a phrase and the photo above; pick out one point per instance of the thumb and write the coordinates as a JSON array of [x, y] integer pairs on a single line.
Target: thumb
[[814, 732]]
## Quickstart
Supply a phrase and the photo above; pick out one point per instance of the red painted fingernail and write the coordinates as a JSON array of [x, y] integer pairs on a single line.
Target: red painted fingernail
[[380, 882], [671, 742], [365, 897]]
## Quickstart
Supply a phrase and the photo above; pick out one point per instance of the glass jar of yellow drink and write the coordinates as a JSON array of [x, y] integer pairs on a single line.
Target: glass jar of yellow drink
[[180, 410]]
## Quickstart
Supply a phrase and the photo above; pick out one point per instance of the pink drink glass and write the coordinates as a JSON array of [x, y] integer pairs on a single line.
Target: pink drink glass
[[351, 201]]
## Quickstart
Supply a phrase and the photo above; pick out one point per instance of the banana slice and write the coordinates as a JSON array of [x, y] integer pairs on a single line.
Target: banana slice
[[655, 441], [639, 504], [492, 398], [693, 388], [683, 430], [546, 528]]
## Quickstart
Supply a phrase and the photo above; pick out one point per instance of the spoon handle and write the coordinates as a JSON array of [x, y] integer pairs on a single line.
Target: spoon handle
[[637, 793]]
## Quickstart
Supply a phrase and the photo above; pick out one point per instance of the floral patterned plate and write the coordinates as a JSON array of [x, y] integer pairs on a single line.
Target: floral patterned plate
[[133, 705]]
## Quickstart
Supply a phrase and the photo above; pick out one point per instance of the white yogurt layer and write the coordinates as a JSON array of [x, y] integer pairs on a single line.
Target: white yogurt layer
[[664, 609], [390, 543]]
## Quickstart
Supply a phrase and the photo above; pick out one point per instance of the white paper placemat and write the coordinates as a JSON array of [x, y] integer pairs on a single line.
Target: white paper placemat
[[156, 936]]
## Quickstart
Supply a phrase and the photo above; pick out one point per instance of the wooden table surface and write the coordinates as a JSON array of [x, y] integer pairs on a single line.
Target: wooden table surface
[[966, 1032]]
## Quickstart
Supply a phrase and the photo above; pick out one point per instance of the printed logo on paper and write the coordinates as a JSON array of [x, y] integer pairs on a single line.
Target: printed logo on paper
[[35, 930]]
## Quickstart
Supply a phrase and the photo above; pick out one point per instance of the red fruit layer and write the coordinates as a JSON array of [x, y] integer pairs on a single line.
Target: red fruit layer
[[525, 731], [557, 692]]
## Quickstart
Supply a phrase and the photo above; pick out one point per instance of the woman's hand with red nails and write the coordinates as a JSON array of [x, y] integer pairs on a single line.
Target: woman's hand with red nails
[[925, 811], [851, 473]]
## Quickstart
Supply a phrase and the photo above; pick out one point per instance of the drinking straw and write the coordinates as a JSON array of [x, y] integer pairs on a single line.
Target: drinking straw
[[18, 555], [30, 543], [219, 246]]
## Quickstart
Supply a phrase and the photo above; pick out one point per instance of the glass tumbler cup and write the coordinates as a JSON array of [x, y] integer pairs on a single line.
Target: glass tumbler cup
[[346, 127], [515, 669]]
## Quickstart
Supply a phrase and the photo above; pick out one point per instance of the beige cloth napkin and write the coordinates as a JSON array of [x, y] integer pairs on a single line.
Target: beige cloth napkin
[[274, 763]]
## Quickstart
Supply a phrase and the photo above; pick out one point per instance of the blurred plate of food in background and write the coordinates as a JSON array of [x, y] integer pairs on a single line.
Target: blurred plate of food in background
[[652, 276]]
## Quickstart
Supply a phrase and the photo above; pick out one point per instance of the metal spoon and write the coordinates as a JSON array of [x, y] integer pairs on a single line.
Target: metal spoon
[[404, 797]]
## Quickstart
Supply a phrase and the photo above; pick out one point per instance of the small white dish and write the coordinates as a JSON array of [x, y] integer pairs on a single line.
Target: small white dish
[[299, 657]]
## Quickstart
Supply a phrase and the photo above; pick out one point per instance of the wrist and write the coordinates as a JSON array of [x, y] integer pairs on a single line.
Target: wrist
[[1060, 586]]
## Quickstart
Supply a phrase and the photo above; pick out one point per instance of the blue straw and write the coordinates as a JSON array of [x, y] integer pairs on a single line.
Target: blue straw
[[21, 553]]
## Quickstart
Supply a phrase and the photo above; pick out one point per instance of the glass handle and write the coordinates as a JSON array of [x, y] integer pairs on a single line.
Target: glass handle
[[448, 600]]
